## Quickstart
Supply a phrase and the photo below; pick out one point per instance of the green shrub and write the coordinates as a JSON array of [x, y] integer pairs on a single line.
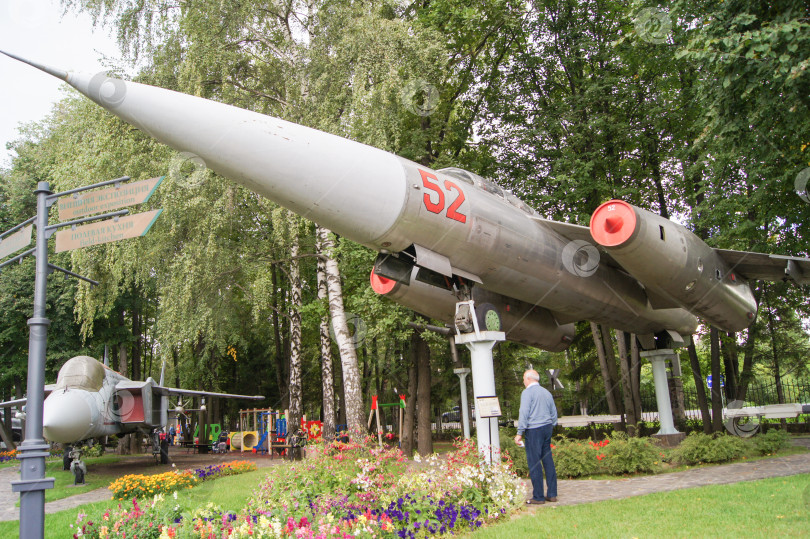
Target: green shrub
[[631, 455], [574, 458], [518, 455], [95, 450], [771, 441], [699, 447]]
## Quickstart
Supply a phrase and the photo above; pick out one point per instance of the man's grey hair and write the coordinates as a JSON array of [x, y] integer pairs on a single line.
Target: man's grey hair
[[532, 374]]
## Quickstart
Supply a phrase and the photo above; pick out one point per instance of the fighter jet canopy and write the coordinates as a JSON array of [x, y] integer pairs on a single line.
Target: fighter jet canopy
[[81, 372]]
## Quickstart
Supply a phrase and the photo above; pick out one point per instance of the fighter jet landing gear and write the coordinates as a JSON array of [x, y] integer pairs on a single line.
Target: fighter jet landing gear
[[479, 330], [66, 459], [160, 446]]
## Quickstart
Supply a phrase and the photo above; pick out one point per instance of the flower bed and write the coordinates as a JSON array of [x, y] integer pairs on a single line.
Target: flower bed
[[358, 490], [129, 519], [221, 470], [140, 486], [6, 456]]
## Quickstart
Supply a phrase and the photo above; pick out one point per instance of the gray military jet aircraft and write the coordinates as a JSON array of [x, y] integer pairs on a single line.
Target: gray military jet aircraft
[[90, 400], [448, 236]]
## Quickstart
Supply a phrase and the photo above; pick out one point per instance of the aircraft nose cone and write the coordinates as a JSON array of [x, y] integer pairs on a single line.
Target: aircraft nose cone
[[66, 417]]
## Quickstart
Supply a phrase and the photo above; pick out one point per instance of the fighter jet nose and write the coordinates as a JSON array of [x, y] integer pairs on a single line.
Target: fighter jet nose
[[66, 416]]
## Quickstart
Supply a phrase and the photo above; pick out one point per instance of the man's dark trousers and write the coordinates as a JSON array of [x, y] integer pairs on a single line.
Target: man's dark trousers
[[538, 452]]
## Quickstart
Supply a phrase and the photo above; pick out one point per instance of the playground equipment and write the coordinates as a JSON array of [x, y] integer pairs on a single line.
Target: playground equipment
[[268, 431], [375, 412], [244, 440]]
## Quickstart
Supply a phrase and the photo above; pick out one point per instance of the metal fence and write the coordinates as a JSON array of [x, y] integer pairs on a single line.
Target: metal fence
[[758, 394]]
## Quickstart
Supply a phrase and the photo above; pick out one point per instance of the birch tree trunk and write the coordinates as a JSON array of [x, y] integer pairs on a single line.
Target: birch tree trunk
[[348, 353], [326, 352], [294, 419]]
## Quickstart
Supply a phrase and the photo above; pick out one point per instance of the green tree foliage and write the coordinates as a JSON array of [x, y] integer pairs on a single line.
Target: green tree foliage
[[567, 103]]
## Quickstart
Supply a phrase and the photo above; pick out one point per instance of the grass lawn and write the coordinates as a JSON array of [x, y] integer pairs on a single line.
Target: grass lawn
[[63, 480], [229, 493], [775, 507]]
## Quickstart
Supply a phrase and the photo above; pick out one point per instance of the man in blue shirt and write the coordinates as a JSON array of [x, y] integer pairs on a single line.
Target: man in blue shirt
[[537, 418]]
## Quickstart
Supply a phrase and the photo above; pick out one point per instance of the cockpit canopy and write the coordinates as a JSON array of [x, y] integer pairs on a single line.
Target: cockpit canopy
[[81, 372], [487, 185]]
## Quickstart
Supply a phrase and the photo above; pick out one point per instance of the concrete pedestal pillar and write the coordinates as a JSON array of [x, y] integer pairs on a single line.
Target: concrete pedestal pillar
[[658, 359], [483, 373]]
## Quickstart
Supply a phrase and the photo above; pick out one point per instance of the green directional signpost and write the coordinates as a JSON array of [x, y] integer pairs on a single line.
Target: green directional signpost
[[78, 206]]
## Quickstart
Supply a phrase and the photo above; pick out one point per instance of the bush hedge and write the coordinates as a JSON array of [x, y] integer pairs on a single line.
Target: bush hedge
[[631, 455], [703, 448], [771, 441]]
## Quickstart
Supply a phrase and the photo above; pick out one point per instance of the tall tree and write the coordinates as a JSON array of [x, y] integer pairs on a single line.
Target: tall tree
[[326, 346]]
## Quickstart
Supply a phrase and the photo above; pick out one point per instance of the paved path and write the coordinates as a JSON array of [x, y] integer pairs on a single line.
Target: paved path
[[573, 492]]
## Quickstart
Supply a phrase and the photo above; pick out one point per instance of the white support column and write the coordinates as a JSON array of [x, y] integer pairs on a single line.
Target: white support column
[[658, 359], [483, 373], [465, 408]]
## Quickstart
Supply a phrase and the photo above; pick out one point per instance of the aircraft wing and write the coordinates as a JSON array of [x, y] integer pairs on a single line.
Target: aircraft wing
[[574, 232], [767, 267], [192, 392], [135, 386], [567, 230]]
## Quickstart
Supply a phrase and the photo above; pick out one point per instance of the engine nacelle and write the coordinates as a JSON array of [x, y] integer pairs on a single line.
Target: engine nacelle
[[522, 322], [676, 267]]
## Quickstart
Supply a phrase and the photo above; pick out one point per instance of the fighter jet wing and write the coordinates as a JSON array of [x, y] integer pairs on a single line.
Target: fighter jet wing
[[574, 232], [767, 267], [177, 391], [132, 385]]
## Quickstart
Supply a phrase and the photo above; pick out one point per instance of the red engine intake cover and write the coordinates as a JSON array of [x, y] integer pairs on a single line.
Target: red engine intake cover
[[381, 285], [613, 223]]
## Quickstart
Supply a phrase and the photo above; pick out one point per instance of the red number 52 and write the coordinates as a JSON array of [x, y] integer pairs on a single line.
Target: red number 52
[[438, 205]]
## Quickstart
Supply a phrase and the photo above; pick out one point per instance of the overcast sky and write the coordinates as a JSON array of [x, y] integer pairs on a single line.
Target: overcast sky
[[36, 29]]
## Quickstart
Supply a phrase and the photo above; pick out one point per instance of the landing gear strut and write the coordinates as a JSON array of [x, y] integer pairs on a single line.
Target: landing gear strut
[[160, 446]]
